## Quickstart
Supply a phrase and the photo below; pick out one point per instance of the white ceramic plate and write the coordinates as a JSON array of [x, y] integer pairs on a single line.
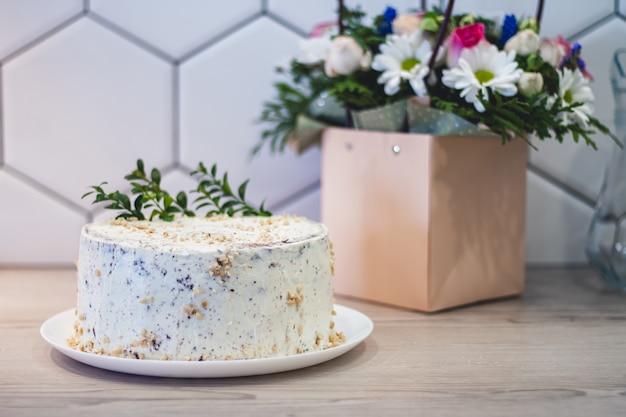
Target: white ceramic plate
[[355, 325]]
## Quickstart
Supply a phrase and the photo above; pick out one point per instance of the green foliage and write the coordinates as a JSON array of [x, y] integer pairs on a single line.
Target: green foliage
[[513, 117], [431, 21], [217, 193], [354, 94], [118, 201], [150, 197], [366, 36], [281, 114], [294, 97]]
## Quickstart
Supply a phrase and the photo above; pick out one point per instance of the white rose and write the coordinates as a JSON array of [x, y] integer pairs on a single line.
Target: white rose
[[406, 24], [530, 83], [523, 43], [346, 56], [552, 52]]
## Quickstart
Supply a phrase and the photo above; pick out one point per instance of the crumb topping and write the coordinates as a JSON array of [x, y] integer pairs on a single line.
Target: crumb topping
[[318, 339], [295, 297], [222, 265], [200, 232], [146, 300], [189, 310], [336, 338]]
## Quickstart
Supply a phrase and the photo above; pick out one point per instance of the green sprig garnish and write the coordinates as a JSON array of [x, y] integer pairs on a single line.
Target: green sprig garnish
[[148, 196], [217, 193]]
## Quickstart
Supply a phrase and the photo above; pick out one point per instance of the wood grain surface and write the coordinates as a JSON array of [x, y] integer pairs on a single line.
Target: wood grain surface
[[559, 350]]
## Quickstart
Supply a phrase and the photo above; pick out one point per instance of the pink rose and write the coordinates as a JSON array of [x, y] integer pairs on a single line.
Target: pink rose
[[462, 38]]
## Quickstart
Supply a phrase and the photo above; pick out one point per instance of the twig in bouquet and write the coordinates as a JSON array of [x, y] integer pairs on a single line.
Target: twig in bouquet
[[340, 17], [341, 27], [440, 36], [539, 14], [423, 5]]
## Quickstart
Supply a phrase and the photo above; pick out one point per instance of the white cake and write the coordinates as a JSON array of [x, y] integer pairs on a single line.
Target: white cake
[[201, 288]]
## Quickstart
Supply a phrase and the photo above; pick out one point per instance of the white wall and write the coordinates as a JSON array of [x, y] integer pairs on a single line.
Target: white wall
[[87, 87]]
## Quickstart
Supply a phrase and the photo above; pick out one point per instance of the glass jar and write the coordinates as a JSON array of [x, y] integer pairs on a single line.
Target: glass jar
[[606, 240]]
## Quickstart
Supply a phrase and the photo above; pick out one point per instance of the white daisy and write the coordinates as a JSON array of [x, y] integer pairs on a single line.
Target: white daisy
[[574, 88], [483, 68], [403, 58]]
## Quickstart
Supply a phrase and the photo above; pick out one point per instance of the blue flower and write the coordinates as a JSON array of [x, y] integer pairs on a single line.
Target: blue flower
[[509, 29], [384, 25]]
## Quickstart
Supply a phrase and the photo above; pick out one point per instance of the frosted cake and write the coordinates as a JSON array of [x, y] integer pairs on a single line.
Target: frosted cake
[[205, 288]]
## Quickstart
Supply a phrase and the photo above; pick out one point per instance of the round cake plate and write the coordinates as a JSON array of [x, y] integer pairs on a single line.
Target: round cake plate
[[355, 325]]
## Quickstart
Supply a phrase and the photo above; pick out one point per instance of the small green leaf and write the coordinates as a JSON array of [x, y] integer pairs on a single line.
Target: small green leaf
[[201, 168], [242, 190], [181, 199], [133, 176], [429, 24], [229, 205], [155, 175], [101, 197], [114, 206], [138, 203], [167, 201], [226, 186]]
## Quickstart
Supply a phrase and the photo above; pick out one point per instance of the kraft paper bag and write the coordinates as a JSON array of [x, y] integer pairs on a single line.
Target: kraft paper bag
[[424, 222]]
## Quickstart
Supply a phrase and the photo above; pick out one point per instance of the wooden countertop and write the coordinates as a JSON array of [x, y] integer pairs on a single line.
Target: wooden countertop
[[558, 350]]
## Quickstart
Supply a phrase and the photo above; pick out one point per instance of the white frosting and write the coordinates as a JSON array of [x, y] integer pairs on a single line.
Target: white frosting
[[204, 288]]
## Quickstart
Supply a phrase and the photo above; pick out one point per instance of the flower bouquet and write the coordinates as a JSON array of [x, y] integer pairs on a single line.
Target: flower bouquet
[[491, 74], [424, 204]]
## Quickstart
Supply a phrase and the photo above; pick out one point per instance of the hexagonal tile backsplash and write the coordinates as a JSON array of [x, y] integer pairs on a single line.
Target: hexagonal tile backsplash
[[87, 87]]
